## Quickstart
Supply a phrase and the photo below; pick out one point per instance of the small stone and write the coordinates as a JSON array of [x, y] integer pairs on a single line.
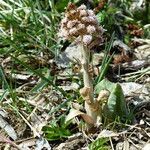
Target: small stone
[[142, 122]]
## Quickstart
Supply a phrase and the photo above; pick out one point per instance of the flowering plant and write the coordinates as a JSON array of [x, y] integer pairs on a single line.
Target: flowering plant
[[80, 25]]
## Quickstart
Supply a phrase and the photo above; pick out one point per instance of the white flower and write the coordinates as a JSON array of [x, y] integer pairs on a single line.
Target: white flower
[[81, 7], [71, 23], [85, 19], [90, 29], [73, 31], [87, 39], [83, 13], [64, 20], [80, 26], [92, 19], [90, 12], [63, 33]]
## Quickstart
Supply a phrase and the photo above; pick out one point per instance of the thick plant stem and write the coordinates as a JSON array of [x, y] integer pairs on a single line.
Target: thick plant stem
[[91, 106], [85, 67]]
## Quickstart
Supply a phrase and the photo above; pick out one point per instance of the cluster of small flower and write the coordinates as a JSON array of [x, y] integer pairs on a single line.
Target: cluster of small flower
[[80, 22]]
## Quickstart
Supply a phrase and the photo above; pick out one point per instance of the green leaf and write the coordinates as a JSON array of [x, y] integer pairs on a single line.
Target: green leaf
[[3, 80], [99, 144], [104, 84], [115, 106], [55, 131]]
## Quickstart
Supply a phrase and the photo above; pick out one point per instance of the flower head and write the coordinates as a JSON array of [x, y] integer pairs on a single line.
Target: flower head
[[80, 22]]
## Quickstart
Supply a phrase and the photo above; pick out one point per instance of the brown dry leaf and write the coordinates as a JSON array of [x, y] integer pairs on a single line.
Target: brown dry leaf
[[72, 87], [38, 144], [38, 121], [26, 144], [142, 51], [130, 87], [42, 143], [71, 53], [74, 113], [107, 133], [74, 142]]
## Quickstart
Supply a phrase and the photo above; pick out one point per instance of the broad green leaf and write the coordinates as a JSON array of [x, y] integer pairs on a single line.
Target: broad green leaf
[[104, 84], [115, 106]]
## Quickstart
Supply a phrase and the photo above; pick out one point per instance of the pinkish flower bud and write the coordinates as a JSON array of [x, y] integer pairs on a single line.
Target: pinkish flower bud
[[80, 23], [87, 39], [72, 12], [64, 33], [73, 31], [71, 23], [81, 7], [90, 29], [83, 13], [100, 30], [85, 19], [90, 13], [80, 26], [92, 19], [64, 20]]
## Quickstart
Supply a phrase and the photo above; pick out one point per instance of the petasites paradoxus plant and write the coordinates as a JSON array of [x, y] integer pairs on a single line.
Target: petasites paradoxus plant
[[81, 26]]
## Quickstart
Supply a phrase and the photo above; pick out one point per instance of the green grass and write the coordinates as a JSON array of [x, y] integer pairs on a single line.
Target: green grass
[[28, 27], [99, 144], [28, 39], [28, 31]]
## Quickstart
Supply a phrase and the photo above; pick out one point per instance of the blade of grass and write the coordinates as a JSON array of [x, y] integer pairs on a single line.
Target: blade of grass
[[105, 68], [106, 61], [6, 86]]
